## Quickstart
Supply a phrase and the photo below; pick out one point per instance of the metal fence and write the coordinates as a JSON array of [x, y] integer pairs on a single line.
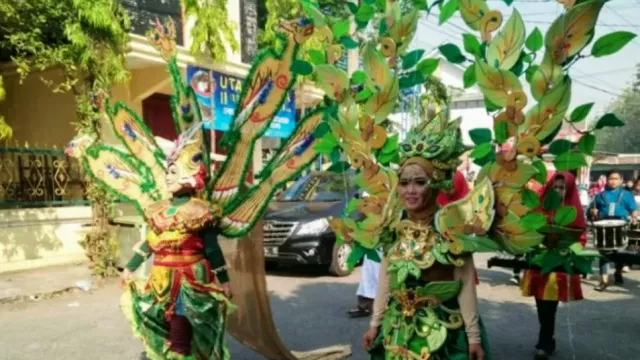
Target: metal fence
[[39, 178]]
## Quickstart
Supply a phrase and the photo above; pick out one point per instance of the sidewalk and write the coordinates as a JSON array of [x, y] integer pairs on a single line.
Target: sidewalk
[[41, 283]]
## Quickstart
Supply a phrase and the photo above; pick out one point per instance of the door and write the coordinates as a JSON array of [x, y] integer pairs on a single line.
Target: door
[[156, 111]]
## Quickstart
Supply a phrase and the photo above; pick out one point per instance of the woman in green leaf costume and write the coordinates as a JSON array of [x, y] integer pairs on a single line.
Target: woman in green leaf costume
[[426, 305]]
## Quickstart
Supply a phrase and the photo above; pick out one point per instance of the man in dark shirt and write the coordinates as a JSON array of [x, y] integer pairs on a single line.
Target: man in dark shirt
[[614, 202]]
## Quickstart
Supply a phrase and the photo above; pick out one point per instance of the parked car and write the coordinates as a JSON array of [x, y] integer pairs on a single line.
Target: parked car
[[296, 226]]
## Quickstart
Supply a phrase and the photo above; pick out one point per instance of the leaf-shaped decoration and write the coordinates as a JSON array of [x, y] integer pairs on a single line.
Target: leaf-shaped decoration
[[565, 215], [569, 161], [611, 43], [474, 209], [545, 76], [447, 10], [573, 30], [545, 117], [523, 173], [403, 31], [535, 40], [332, 81], [496, 84], [587, 144], [375, 65], [504, 49], [382, 103], [609, 120], [472, 12]]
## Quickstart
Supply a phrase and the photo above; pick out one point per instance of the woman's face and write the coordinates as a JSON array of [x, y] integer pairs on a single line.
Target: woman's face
[[560, 186], [414, 187], [173, 179]]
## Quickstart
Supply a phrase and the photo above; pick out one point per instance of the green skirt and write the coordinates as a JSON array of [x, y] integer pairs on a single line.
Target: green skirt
[[149, 307], [455, 347]]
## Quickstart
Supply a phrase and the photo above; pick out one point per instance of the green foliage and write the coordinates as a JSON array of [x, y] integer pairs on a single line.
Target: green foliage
[[622, 140], [5, 130], [211, 29], [87, 41], [271, 12]]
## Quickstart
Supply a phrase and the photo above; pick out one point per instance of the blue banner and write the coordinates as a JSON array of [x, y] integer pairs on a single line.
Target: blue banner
[[218, 95]]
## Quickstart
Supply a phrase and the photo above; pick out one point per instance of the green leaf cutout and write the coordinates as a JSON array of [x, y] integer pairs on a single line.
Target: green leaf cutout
[[530, 199], [358, 77], [481, 151], [541, 175], [534, 221], [565, 215], [365, 13], [317, 57], [411, 79], [471, 44], [349, 43], [551, 201], [447, 10], [301, 67], [580, 113], [480, 136], [569, 161], [469, 76], [452, 53], [611, 43], [534, 41], [341, 28], [411, 59], [321, 130], [560, 146], [587, 144], [339, 167], [363, 95], [609, 120], [326, 144], [353, 8], [502, 132], [428, 66]]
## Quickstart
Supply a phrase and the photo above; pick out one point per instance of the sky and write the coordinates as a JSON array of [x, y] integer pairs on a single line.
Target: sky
[[597, 80]]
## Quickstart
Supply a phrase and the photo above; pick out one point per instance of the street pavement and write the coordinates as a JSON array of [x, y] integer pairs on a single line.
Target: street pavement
[[309, 309]]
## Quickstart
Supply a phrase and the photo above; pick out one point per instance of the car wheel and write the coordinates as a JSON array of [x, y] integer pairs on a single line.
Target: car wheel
[[339, 259]]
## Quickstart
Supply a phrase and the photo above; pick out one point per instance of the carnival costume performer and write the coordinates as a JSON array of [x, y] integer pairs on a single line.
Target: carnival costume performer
[[180, 312], [556, 285]]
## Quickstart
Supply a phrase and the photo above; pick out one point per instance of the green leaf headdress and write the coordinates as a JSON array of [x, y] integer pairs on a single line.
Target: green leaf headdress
[[436, 145]]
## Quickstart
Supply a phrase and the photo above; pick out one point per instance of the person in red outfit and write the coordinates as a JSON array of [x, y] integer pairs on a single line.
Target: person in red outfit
[[551, 288]]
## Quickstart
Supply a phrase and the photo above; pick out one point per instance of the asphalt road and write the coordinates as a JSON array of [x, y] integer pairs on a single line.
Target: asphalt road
[[309, 310]]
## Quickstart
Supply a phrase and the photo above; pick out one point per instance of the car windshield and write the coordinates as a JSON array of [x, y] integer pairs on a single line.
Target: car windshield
[[322, 186]]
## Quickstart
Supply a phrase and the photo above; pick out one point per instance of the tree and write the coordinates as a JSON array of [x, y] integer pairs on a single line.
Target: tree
[[623, 139], [87, 40], [212, 28], [270, 12]]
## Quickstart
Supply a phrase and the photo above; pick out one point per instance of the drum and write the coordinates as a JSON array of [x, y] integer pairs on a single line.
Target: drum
[[610, 234], [634, 237]]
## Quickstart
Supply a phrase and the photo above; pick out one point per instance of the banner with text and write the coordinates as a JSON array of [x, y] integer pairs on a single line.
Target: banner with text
[[218, 95]]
